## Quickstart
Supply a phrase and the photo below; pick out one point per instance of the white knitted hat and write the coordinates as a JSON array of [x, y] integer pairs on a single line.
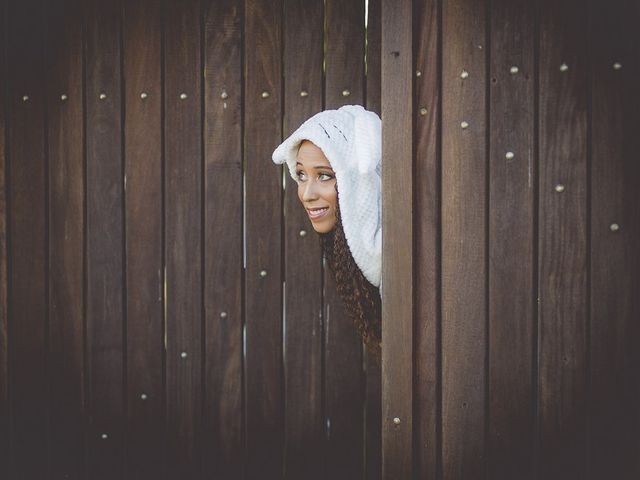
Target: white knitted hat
[[350, 138]]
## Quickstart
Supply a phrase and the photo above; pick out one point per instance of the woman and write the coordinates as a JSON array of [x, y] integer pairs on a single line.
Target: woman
[[335, 158]]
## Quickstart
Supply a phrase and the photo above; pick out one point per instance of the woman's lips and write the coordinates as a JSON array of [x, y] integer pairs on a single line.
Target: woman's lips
[[317, 213]]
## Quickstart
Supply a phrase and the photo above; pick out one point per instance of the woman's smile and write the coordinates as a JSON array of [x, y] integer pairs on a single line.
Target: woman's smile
[[315, 213]]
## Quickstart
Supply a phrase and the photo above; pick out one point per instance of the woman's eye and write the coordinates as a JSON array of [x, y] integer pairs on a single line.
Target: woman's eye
[[300, 174]]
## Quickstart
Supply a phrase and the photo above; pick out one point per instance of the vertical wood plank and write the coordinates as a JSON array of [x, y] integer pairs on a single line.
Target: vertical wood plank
[[614, 254], [27, 228], [143, 234], [397, 239], [263, 217], [373, 366], [64, 71], [105, 276], [511, 245], [183, 217], [344, 375], [464, 211], [5, 410], [562, 240], [223, 413], [304, 434], [427, 204], [373, 76]]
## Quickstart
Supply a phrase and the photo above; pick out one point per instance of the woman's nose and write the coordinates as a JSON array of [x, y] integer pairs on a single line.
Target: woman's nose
[[309, 191]]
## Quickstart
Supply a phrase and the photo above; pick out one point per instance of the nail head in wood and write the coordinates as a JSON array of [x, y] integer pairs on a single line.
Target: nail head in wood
[[304, 93], [183, 96], [346, 93], [464, 74], [464, 125], [614, 227], [396, 420], [183, 355], [223, 314], [143, 396], [143, 95], [25, 98], [263, 273], [224, 95], [303, 233], [423, 111], [509, 155], [63, 97], [564, 67], [265, 94], [102, 96], [513, 70], [559, 188], [617, 66]]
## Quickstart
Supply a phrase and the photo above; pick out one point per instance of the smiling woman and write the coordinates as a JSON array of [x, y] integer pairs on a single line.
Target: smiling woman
[[335, 159], [316, 186]]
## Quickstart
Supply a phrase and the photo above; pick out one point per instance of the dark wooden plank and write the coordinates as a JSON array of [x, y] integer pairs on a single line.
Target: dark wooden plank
[[183, 216], [511, 269], [143, 234], [303, 32], [27, 241], [263, 207], [614, 254], [344, 375], [105, 276], [427, 385], [397, 240], [66, 237], [464, 166], [372, 363], [562, 239], [223, 413], [373, 76], [5, 410], [344, 57]]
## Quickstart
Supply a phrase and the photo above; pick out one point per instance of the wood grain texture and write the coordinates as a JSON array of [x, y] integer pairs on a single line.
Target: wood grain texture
[[512, 186], [397, 240], [344, 375], [427, 386], [143, 233], [64, 67], [183, 237], [303, 368], [464, 249], [373, 365], [562, 240], [263, 237], [614, 255], [104, 237], [223, 413], [28, 237], [344, 56], [5, 409]]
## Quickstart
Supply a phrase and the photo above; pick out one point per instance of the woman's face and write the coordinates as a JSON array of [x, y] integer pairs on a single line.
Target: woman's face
[[316, 187]]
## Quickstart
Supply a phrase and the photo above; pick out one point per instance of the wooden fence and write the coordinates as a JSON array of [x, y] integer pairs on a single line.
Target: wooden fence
[[164, 308]]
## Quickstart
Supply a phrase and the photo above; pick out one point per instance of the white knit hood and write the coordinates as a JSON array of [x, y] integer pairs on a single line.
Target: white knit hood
[[350, 138]]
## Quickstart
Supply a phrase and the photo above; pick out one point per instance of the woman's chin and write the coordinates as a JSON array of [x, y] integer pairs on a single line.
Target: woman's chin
[[323, 227]]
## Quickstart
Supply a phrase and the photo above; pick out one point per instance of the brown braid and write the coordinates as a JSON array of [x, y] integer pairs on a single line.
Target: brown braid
[[360, 298]]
